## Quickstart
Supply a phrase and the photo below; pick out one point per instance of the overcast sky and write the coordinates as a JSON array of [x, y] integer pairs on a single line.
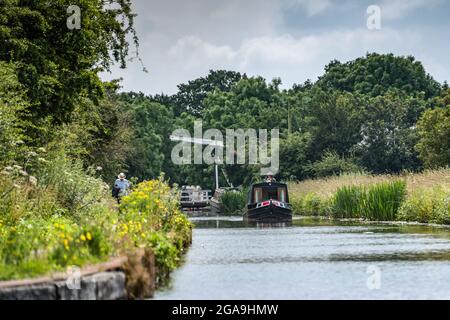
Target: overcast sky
[[181, 40]]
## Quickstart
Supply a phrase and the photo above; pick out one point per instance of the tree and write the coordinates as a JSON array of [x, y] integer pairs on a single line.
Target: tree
[[59, 66], [152, 124], [434, 134], [251, 103], [332, 164], [190, 96], [12, 105], [389, 134], [333, 119], [294, 153], [376, 74]]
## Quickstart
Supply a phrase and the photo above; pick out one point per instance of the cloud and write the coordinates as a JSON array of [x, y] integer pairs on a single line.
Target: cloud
[[394, 9], [195, 52], [314, 7], [294, 59], [226, 21], [183, 40], [286, 49]]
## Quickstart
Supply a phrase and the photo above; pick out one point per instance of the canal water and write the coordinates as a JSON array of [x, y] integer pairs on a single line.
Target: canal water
[[312, 259]]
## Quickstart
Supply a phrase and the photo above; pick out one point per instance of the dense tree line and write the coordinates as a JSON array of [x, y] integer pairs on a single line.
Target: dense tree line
[[378, 113], [54, 108]]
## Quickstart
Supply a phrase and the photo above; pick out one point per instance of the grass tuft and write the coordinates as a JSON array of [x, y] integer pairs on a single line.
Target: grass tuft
[[233, 202]]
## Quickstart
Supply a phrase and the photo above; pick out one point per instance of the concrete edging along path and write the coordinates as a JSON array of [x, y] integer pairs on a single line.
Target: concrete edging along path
[[103, 281]]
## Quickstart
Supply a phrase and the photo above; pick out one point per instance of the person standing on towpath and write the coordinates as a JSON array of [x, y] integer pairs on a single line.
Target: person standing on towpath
[[121, 187]]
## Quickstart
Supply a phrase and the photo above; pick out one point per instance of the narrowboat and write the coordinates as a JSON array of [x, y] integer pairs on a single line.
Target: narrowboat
[[194, 197], [268, 202]]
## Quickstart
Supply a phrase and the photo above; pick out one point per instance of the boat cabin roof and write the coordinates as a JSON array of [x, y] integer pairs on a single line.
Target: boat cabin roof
[[273, 184], [268, 190]]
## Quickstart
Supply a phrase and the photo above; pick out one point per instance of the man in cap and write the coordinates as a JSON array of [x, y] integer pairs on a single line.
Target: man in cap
[[270, 177], [121, 187]]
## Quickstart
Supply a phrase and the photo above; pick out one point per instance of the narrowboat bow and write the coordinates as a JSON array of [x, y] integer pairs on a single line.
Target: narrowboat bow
[[268, 202]]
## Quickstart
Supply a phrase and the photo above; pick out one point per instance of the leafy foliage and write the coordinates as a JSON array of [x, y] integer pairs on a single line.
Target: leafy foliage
[[12, 106], [360, 115], [388, 133], [151, 216], [58, 65], [60, 133], [434, 135], [333, 120], [63, 132], [331, 164], [233, 202], [376, 74], [190, 96], [295, 151], [427, 205], [49, 234]]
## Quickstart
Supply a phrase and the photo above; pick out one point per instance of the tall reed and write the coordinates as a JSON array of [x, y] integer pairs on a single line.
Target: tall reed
[[380, 201], [383, 200], [347, 202]]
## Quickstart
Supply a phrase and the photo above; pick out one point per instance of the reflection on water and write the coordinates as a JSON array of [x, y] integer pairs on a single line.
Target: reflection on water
[[311, 259]]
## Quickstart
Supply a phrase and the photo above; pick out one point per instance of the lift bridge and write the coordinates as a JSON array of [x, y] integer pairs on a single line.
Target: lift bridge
[[194, 197]]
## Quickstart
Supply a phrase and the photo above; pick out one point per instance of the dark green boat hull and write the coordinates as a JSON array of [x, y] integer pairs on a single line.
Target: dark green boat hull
[[269, 213]]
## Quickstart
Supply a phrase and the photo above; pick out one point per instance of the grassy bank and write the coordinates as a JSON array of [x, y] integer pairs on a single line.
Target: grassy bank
[[422, 197], [66, 217]]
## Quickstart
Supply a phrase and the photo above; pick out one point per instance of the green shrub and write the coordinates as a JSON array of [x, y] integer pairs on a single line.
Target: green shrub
[[297, 205], [34, 246], [233, 202], [43, 189], [427, 205], [150, 216], [75, 187], [13, 104], [332, 164], [310, 205], [166, 253], [84, 230]]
